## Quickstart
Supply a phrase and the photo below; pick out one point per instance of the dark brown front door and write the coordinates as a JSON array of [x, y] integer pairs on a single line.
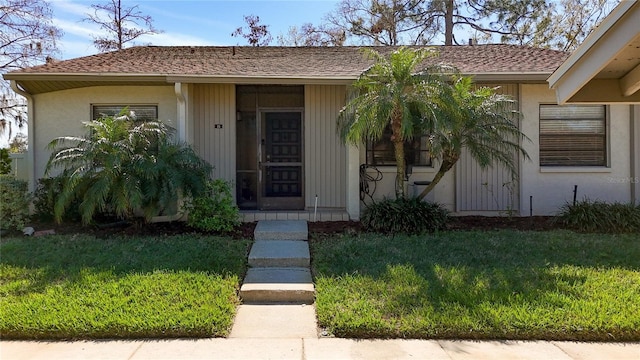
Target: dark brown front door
[[281, 165]]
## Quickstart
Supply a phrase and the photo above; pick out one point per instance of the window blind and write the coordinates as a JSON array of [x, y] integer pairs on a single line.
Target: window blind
[[139, 112], [573, 135]]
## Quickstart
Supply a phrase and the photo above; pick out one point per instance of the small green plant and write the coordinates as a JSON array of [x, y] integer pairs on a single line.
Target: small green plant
[[5, 161], [44, 200], [599, 216], [509, 210], [216, 210], [404, 215], [14, 203]]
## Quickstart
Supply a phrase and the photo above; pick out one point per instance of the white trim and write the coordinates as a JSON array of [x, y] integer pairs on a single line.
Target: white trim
[[353, 182], [598, 49], [575, 169], [31, 134], [630, 83], [249, 79]]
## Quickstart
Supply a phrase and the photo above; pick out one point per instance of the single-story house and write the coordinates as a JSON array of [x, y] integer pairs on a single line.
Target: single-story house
[[605, 69], [265, 117]]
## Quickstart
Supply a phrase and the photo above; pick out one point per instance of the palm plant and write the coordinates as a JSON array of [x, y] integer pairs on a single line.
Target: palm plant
[[479, 120], [392, 92], [416, 100], [121, 166]]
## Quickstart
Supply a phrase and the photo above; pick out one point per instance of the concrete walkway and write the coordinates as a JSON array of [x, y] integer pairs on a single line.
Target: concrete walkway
[[313, 348]]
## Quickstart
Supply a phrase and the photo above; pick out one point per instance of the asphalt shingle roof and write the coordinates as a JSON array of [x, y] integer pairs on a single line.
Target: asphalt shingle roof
[[321, 62]]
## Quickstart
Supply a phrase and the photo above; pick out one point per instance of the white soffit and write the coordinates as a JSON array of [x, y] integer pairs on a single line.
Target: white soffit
[[606, 67]]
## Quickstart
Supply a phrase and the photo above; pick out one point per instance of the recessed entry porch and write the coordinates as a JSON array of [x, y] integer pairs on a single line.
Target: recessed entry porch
[[279, 148], [308, 215]]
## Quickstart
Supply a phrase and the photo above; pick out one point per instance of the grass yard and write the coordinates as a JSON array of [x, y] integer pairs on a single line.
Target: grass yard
[[78, 286], [480, 285]]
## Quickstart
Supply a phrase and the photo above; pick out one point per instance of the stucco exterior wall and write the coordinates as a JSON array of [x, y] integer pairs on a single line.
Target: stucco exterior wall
[[443, 193], [61, 113], [551, 187]]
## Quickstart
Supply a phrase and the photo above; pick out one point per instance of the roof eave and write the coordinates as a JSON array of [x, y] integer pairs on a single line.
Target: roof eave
[[173, 78], [594, 53], [528, 77]]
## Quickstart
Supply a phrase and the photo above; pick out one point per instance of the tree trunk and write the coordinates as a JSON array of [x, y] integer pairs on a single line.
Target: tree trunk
[[400, 168], [444, 167], [448, 22], [398, 147], [119, 25]]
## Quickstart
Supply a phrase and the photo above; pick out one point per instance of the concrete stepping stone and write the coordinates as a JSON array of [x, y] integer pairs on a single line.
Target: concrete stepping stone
[[279, 253], [281, 230], [275, 322], [270, 285]]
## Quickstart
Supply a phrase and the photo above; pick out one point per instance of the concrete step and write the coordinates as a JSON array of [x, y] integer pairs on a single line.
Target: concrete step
[[284, 285], [281, 230], [279, 253]]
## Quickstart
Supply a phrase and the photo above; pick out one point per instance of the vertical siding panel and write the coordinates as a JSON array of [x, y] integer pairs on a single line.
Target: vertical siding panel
[[325, 159], [485, 190], [214, 104]]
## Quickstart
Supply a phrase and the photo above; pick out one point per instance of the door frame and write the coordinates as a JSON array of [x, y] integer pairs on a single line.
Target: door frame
[[297, 203]]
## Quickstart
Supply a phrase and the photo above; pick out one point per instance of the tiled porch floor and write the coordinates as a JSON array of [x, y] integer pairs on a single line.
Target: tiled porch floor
[[321, 215]]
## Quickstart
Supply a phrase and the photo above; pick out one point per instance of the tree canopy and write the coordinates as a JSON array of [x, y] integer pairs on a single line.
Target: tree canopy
[[122, 25], [27, 37], [557, 24]]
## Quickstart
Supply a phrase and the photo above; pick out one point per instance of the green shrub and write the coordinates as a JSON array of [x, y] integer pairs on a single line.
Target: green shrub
[[216, 210], [404, 215], [598, 216], [5, 161], [14, 203], [121, 166], [44, 200]]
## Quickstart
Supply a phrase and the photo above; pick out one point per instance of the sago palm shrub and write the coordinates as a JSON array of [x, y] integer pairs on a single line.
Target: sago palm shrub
[[121, 166]]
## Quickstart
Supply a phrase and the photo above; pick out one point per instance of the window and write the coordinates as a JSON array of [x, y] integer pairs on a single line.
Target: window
[[573, 135], [142, 112], [382, 153]]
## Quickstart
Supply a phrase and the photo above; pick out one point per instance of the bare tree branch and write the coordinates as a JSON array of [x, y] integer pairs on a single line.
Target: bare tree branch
[[27, 38], [122, 25]]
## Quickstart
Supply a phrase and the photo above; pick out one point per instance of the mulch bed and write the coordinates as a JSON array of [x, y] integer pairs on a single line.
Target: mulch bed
[[245, 230]]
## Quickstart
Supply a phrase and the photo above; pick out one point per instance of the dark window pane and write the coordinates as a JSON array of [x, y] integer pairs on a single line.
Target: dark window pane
[[139, 112], [382, 152]]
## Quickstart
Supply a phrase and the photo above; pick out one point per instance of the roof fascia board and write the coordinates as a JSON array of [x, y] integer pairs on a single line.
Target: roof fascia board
[[595, 52], [511, 76], [297, 80], [84, 77], [107, 77]]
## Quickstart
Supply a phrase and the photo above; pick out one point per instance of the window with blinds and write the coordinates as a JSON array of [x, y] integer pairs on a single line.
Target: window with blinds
[[137, 112], [573, 135], [382, 152]]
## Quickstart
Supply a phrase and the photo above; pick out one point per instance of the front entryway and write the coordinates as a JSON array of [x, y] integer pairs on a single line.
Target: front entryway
[[270, 147], [280, 168]]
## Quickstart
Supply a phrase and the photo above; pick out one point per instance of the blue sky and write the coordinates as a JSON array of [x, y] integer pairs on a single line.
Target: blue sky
[[196, 22], [201, 22]]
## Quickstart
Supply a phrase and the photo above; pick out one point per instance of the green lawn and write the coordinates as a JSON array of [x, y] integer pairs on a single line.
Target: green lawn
[[83, 287], [476, 285]]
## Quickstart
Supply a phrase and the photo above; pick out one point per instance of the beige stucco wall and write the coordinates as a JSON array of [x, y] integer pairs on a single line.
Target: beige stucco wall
[[443, 193], [551, 187], [61, 113]]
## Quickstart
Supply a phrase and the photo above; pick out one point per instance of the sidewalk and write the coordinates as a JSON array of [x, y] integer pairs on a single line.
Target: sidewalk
[[314, 348]]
